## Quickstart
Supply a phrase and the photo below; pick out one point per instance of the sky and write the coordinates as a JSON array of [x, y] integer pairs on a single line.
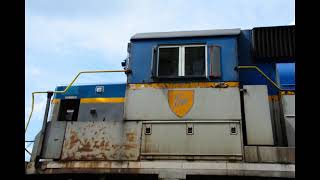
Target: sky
[[63, 37]]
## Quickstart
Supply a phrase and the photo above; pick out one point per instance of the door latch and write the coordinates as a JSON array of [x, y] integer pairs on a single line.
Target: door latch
[[147, 129], [233, 129]]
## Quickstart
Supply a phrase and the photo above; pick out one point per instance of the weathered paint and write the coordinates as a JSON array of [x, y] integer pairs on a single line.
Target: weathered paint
[[269, 154], [288, 106], [102, 141], [54, 139], [176, 169], [184, 85], [257, 115], [171, 139], [277, 124], [208, 104], [55, 101]]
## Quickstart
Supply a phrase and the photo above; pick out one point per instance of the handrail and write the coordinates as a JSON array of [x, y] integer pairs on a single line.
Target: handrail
[[27, 151], [66, 89], [265, 76]]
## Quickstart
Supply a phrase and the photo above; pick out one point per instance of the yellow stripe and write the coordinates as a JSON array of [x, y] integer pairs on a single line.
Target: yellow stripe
[[55, 101], [287, 93], [102, 100], [184, 85]]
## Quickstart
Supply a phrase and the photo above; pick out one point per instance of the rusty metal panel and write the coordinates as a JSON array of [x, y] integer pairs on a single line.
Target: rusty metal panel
[[208, 104], [191, 139], [109, 140], [169, 169]]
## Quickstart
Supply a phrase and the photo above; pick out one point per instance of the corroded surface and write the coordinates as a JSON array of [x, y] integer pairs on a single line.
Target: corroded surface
[[176, 169], [101, 141]]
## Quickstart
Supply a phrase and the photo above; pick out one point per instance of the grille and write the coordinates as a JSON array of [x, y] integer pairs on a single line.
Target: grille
[[272, 43]]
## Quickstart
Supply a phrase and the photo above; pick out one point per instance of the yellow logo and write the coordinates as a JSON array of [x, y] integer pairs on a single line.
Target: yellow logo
[[180, 101]]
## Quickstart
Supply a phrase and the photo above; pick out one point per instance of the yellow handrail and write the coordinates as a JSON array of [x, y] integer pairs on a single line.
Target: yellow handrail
[[264, 75], [66, 89]]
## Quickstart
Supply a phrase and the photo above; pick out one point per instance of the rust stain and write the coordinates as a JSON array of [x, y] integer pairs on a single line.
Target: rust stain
[[104, 156], [102, 128], [92, 164], [129, 146], [96, 144], [100, 156], [73, 139], [86, 147], [69, 156], [113, 156], [126, 156], [102, 143], [115, 146], [131, 137], [87, 157], [105, 147], [93, 145]]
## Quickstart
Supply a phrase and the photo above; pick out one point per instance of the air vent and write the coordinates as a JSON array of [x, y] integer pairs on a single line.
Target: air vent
[[273, 43]]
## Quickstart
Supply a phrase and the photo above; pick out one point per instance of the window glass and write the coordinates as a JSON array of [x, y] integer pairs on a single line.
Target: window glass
[[194, 61], [168, 61]]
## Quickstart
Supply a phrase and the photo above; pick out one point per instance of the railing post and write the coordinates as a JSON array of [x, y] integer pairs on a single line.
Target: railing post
[[43, 130]]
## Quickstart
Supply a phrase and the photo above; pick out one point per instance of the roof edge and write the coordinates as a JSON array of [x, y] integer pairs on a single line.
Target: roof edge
[[181, 34]]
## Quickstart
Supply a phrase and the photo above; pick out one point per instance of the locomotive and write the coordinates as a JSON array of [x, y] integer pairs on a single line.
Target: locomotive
[[207, 102]]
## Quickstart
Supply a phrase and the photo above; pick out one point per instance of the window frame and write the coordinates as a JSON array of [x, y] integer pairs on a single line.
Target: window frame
[[215, 63], [181, 68]]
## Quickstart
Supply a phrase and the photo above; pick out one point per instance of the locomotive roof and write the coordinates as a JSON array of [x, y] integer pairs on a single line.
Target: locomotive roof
[[181, 34]]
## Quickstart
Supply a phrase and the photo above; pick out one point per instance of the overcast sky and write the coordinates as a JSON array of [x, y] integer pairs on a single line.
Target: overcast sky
[[64, 37]]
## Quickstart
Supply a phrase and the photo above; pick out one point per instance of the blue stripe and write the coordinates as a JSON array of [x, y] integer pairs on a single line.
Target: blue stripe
[[89, 91]]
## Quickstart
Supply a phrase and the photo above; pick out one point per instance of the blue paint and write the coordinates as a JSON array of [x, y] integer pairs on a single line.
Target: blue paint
[[141, 56], [89, 91], [235, 50], [252, 76], [244, 47], [286, 75]]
